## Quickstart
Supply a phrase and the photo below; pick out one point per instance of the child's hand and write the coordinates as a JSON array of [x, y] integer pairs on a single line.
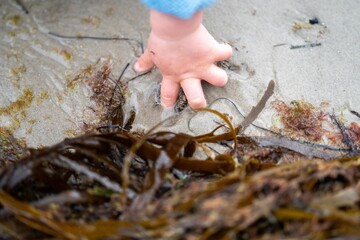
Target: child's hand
[[185, 53]]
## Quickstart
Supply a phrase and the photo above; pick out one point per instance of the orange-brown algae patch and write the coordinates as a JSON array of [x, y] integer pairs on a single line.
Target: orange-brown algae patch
[[42, 96], [300, 25], [109, 12], [29, 130], [14, 20], [91, 20], [65, 54], [22, 103], [86, 72], [16, 111], [354, 130], [71, 133], [301, 119], [17, 72], [31, 125]]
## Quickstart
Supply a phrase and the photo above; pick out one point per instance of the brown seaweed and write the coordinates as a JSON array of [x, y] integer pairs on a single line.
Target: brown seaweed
[[123, 185], [255, 111], [259, 191], [301, 119]]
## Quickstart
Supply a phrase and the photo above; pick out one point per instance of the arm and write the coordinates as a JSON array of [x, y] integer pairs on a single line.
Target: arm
[[185, 53]]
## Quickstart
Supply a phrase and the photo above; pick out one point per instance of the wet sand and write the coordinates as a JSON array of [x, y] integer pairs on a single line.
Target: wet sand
[[271, 40]]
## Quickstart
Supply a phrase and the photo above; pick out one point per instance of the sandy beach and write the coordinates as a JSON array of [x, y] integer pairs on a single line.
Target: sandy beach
[[310, 49]]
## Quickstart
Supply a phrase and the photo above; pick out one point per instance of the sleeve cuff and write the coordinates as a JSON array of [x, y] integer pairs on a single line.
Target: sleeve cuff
[[180, 8]]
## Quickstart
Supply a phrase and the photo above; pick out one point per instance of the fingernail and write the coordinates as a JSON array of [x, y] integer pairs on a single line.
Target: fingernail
[[137, 67]]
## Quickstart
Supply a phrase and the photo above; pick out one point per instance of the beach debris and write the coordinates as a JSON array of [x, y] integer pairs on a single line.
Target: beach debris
[[300, 25], [84, 37], [309, 45], [313, 21]]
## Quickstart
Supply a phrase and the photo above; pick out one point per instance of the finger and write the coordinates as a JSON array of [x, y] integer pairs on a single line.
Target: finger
[[144, 62], [223, 51], [215, 75], [169, 92], [194, 93]]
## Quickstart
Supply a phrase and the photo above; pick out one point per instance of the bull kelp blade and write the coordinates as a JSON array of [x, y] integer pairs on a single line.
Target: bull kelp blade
[[232, 131], [255, 111], [204, 166], [122, 139]]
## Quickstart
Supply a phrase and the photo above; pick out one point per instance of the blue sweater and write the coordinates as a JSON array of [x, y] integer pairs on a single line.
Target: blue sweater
[[179, 8]]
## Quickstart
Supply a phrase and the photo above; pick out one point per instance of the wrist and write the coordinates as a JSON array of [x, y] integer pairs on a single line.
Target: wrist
[[170, 27]]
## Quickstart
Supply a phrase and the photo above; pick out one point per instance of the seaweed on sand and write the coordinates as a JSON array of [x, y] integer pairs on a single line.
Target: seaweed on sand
[[121, 185]]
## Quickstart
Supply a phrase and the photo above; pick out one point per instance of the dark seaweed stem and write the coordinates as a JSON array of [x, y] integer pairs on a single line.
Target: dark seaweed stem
[[347, 140], [355, 113], [97, 38], [22, 6], [305, 45], [140, 75], [113, 93]]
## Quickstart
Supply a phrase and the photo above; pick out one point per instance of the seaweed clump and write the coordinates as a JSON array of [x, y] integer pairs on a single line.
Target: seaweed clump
[[122, 185], [301, 119], [108, 95], [304, 121]]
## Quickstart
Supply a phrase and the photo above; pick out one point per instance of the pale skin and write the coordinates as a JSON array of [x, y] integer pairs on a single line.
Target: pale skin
[[185, 53]]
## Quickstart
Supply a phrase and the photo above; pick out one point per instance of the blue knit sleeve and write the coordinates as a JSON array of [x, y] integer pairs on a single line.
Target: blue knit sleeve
[[179, 8]]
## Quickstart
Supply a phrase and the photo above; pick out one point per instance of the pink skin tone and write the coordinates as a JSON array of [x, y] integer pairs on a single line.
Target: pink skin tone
[[185, 53]]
